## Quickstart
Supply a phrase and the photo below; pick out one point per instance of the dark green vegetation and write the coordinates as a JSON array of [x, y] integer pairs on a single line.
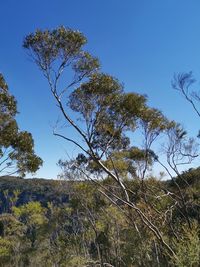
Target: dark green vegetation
[[47, 229], [117, 214], [18, 191]]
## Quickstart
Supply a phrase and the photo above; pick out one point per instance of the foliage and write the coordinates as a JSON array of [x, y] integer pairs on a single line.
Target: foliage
[[16, 147], [89, 230], [188, 246]]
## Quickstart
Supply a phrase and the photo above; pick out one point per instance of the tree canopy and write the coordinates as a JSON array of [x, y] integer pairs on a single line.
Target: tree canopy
[[16, 147]]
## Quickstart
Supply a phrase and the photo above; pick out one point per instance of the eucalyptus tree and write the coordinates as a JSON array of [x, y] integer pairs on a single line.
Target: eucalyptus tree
[[16, 147], [101, 114]]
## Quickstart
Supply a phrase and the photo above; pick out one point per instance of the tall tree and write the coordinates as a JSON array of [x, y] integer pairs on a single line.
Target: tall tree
[[101, 114], [16, 147]]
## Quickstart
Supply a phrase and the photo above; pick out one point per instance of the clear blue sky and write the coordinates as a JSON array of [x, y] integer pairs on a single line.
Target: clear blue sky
[[141, 42]]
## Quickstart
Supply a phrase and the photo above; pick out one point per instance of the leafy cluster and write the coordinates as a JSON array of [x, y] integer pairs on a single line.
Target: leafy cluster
[[16, 147]]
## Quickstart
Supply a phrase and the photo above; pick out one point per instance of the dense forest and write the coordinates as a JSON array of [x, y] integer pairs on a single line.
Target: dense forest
[[107, 208]]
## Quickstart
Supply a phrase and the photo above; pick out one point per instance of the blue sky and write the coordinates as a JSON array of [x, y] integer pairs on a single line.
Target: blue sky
[[141, 42]]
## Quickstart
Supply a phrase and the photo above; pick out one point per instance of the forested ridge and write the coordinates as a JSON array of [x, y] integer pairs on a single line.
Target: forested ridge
[[19, 191]]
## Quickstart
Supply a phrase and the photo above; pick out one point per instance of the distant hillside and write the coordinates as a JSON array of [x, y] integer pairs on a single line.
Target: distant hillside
[[18, 191]]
